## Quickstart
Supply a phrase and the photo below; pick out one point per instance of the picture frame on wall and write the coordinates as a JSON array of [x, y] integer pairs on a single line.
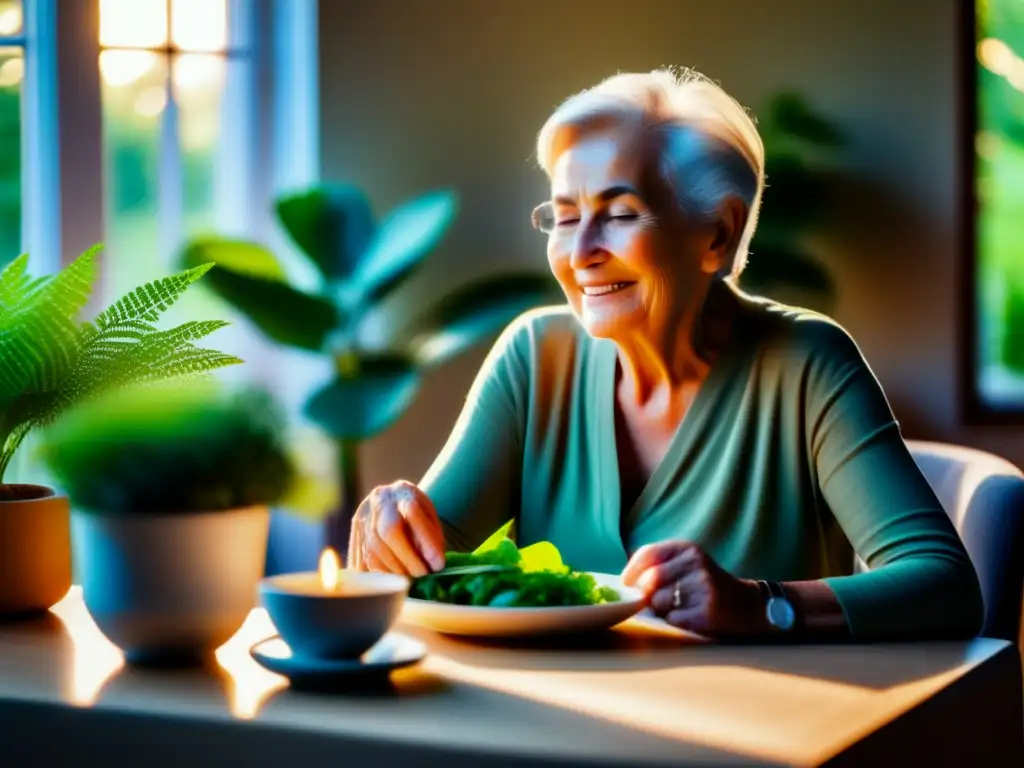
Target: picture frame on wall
[[992, 210]]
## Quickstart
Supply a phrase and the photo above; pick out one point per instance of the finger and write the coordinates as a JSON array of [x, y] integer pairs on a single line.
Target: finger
[[693, 592], [670, 571], [424, 526], [393, 532], [375, 542], [355, 548], [373, 563], [356, 535], [651, 555]]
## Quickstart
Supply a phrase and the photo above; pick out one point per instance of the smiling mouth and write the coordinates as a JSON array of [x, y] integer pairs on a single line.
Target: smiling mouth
[[604, 290]]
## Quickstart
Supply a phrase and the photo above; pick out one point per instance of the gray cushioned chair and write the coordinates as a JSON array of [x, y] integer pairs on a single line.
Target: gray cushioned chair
[[984, 497]]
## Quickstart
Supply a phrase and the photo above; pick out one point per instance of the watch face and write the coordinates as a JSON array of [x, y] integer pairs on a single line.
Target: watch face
[[780, 613]]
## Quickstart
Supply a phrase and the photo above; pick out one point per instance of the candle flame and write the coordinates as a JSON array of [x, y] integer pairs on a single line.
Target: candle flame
[[330, 567]]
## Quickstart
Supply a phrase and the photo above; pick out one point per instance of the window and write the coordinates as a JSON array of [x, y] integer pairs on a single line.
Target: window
[[177, 82], [140, 123], [994, 145], [12, 75]]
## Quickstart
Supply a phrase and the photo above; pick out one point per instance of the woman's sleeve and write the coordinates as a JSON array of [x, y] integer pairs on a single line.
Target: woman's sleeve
[[921, 581], [475, 481]]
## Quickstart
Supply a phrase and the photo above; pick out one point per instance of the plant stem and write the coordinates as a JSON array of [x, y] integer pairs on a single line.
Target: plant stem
[[8, 447], [339, 523]]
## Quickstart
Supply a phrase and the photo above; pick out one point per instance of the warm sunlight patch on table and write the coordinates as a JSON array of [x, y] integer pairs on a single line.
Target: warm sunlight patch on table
[[97, 660], [702, 704], [249, 684]]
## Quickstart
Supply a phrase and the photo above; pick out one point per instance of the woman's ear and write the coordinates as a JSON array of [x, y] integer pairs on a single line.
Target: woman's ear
[[728, 228]]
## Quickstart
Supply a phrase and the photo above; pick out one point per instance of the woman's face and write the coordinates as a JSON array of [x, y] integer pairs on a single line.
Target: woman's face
[[625, 255]]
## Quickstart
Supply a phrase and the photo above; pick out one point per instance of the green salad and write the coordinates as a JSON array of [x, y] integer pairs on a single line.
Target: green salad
[[499, 574]]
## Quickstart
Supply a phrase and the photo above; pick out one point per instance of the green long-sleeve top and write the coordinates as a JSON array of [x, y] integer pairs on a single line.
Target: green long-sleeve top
[[787, 463]]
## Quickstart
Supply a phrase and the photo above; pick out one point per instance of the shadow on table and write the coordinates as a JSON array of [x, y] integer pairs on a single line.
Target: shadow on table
[[245, 689], [632, 649]]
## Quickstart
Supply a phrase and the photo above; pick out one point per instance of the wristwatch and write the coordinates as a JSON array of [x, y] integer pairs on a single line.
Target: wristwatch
[[778, 609]]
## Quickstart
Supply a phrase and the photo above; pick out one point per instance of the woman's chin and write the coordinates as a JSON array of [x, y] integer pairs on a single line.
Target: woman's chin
[[606, 325]]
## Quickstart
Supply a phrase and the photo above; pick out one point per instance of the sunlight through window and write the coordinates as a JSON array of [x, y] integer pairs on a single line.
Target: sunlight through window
[[199, 25], [167, 82], [10, 17], [122, 68], [133, 23]]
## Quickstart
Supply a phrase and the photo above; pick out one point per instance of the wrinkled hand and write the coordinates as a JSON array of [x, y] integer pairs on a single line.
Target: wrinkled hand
[[711, 601], [396, 529]]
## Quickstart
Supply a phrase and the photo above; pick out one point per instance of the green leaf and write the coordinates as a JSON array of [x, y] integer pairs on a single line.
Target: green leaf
[[472, 570], [790, 114], [250, 279], [282, 313], [13, 282], [147, 302], [542, 556], [795, 197], [332, 225], [475, 313], [38, 337], [495, 538], [239, 256], [371, 393], [771, 267], [403, 240]]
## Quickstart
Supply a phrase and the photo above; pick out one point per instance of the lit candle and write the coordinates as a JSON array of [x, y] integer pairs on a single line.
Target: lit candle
[[333, 611], [330, 580], [330, 570]]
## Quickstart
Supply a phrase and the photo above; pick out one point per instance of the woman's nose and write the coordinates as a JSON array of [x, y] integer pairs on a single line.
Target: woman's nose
[[587, 249]]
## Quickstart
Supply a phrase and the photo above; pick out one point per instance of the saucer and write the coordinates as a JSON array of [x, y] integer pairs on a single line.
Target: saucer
[[393, 651]]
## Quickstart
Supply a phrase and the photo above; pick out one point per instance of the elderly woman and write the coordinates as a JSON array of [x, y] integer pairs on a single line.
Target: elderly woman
[[728, 454]]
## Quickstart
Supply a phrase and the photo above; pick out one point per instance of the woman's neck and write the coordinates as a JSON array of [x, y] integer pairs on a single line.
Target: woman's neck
[[663, 363]]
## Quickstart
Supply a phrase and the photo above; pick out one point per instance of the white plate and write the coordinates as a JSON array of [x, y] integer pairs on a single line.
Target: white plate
[[484, 621]]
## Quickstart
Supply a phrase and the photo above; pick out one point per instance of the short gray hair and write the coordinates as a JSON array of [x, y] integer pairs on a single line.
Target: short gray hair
[[710, 145]]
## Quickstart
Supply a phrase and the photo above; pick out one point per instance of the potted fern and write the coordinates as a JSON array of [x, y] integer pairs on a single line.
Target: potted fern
[[49, 361], [171, 487], [360, 262]]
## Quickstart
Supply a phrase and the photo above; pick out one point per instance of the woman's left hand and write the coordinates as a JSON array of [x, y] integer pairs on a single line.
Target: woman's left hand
[[689, 589]]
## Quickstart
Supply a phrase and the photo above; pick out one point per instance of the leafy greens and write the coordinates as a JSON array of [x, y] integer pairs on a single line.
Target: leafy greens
[[499, 574]]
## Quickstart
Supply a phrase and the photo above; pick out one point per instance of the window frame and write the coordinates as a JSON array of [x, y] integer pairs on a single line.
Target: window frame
[[63, 165]]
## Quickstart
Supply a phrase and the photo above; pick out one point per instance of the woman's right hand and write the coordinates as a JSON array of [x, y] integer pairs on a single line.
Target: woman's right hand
[[396, 529]]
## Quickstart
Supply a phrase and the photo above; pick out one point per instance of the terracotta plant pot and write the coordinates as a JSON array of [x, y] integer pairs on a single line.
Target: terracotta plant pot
[[35, 549], [171, 588]]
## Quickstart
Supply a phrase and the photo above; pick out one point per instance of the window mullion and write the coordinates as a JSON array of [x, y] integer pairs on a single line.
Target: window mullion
[[171, 179], [68, 216]]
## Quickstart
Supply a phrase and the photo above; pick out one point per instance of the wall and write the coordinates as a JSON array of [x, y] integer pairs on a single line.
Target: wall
[[451, 92]]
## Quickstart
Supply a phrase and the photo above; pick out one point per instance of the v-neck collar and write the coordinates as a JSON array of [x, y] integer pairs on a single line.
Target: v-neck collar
[[685, 439]]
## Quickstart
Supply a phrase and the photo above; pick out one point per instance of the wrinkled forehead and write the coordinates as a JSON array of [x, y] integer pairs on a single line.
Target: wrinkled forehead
[[592, 161]]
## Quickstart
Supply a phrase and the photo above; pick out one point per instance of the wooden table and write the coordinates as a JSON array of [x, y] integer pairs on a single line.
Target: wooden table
[[636, 696]]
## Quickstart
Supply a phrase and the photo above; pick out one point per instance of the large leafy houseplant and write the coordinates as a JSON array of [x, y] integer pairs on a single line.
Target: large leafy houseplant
[[800, 151], [360, 261]]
